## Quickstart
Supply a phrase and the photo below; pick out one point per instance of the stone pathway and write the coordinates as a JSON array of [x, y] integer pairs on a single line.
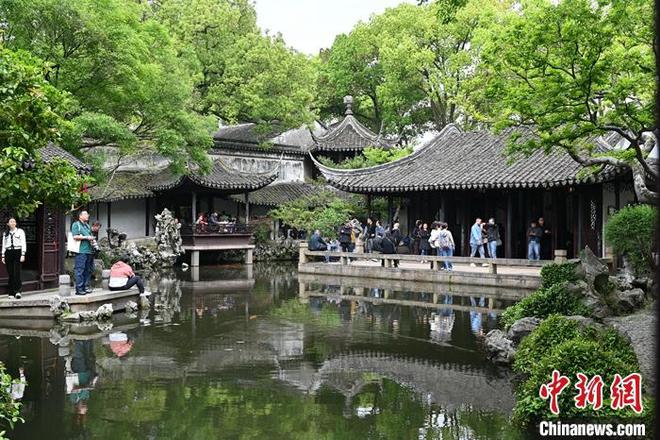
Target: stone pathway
[[458, 267], [640, 329]]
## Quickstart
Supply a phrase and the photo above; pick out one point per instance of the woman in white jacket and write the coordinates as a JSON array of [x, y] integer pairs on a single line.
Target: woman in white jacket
[[14, 247]]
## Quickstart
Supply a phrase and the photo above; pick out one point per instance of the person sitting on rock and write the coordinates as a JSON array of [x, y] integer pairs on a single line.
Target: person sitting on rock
[[122, 277]]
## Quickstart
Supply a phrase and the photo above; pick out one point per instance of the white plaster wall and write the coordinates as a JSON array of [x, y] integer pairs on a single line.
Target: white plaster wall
[[290, 170], [127, 216]]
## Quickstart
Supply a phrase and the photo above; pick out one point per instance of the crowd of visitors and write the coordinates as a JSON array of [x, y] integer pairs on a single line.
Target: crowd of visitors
[[484, 239]]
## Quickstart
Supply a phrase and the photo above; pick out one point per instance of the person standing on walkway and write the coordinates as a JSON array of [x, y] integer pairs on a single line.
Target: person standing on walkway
[[446, 245], [493, 235], [534, 235], [370, 233], [416, 239], [476, 240], [546, 240], [424, 235], [345, 232], [84, 261], [14, 246]]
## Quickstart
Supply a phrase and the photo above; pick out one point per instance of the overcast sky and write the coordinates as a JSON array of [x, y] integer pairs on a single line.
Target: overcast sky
[[309, 25]]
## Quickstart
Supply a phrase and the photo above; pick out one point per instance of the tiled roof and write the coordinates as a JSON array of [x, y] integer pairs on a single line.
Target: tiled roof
[[461, 160], [279, 193], [247, 137], [350, 135], [123, 185], [52, 151], [221, 177]]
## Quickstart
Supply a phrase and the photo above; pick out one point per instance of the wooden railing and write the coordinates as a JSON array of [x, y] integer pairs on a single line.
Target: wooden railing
[[220, 229], [435, 262]]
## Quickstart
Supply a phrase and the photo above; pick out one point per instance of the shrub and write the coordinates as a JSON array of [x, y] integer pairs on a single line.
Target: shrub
[[9, 409], [631, 233], [543, 303], [261, 233], [575, 355], [552, 274]]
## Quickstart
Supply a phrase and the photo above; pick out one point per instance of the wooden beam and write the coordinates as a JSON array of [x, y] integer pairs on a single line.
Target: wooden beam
[[508, 236], [194, 208], [247, 208], [146, 217]]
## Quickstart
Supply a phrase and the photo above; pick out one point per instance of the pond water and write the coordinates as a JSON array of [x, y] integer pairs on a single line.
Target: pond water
[[254, 354]]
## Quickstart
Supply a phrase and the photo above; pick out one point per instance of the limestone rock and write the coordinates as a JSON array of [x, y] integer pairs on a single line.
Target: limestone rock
[[640, 329], [594, 271], [629, 300], [522, 328], [104, 312], [144, 302], [584, 322], [599, 309], [58, 306], [499, 348], [87, 315], [130, 307]]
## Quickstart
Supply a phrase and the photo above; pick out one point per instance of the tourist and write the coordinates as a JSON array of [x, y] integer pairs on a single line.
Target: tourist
[[534, 235], [416, 239], [345, 234], [122, 277], [201, 223], [546, 241], [493, 236], [380, 230], [370, 233], [446, 245], [316, 243], [424, 245], [388, 246], [84, 260], [396, 234], [96, 228], [214, 223], [14, 246], [476, 240]]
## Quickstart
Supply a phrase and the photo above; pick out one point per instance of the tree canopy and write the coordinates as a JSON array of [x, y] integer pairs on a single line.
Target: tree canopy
[[573, 71], [32, 114]]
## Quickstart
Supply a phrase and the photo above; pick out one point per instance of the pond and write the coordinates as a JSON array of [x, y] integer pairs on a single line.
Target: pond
[[256, 354]]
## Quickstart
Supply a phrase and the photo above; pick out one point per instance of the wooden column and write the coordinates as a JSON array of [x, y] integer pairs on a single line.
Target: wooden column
[[146, 217], [247, 208], [390, 212], [509, 226], [194, 208], [580, 223], [368, 205], [108, 206]]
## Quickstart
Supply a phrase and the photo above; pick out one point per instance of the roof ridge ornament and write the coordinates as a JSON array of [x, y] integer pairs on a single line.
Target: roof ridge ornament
[[348, 102]]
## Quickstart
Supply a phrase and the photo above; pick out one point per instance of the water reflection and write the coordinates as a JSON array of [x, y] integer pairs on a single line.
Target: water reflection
[[235, 356]]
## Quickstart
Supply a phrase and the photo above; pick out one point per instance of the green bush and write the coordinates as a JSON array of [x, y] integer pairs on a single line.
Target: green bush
[[543, 303], [631, 233], [9, 409], [261, 234], [590, 354], [552, 274]]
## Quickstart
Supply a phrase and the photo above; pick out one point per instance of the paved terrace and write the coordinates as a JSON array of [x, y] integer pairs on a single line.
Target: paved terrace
[[506, 273]]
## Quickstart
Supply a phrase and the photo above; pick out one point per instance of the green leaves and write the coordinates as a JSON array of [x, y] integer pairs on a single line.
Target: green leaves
[[30, 117], [631, 233], [370, 156]]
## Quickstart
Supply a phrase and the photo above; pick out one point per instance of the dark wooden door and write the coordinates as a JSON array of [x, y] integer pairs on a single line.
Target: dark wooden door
[[592, 215], [49, 249]]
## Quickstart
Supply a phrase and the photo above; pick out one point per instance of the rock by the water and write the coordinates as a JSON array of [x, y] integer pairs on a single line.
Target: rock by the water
[[58, 306], [104, 312], [130, 307], [144, 302], [522, 328], [594, 271], [583, 321], [640, 329], [499, 348], [87, 315], [630, 300]]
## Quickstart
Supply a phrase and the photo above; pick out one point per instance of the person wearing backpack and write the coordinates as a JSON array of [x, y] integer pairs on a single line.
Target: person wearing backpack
[[446, 245]]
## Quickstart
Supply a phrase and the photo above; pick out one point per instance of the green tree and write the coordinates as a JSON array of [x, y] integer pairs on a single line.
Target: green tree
[[409, 68], [371, 156], [631, 232], [245, 76], [324, 210], [572, 71], [122, 68], [31, 116]]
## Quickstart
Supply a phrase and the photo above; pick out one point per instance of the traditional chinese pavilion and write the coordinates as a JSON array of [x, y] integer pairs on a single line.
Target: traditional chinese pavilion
[[459, 176]]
